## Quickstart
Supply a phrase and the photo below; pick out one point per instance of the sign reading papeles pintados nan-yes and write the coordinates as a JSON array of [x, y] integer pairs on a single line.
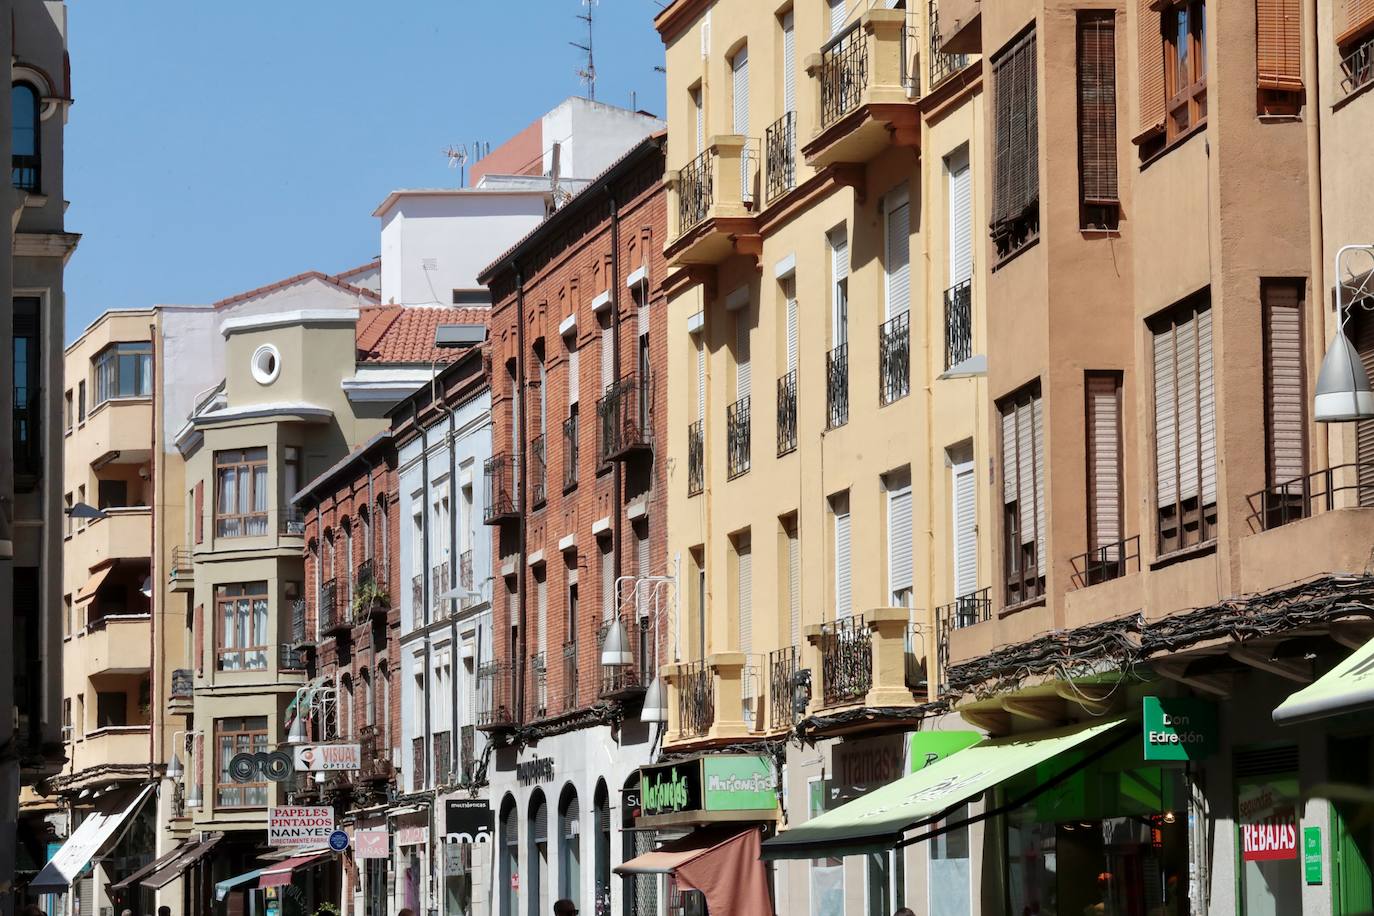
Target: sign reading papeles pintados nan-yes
[[305, 826]]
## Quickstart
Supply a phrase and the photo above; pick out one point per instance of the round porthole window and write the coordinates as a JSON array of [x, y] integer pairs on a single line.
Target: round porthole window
[[266, 364]]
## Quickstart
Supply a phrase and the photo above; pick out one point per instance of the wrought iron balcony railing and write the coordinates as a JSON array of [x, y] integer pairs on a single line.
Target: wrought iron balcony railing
[[289, 658], [1110, 561], [418, 761], [1342, 486], [696, 459], [328, 610], [465, 578], [843, 74], [783, 667], [496, 695], [443, 758], [787, 413], [780, 155], [942, 65], [570, 453], [182, 568], [569, 695], [183, 683], [539, 472], [299, 634], [625, 418], [837, 387], [439, 583], [620, 680], [24, 171], [958, 323], [537, 698], [502, 494], [366, 574], [1357, 67], [846, 661], [737, 432], [292, 522], [695, 191], [417, 597], [696, 701], [894, 359]]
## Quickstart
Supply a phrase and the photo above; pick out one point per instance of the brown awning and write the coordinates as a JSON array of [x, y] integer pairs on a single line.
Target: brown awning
[[158, 863], [722, 864], [189, 856], [280, 874], [87, 591]]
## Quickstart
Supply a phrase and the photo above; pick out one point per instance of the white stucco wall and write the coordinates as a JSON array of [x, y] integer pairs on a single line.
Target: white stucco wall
[[592, 135]]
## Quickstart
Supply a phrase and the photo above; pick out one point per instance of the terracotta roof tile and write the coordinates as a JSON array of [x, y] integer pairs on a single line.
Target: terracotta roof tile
[[395, 334], [292, 281]]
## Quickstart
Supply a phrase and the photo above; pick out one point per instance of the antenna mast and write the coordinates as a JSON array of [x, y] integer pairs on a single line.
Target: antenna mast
[[458, 159], [587, 74]]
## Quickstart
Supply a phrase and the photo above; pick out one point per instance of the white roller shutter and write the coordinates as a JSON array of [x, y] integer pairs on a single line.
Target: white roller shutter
[[743, 371], [789, 63], [1286, 391], [790, 291], [837, 17], [700, 108], [607, 357], [739, 74], [899, 546], [541, 591], [701, 381], [608, 601], [1207, 407], [1187, 378], [1166, 467], [1104, 460], [642, 549], [794, 584], [839, 272], [574, 366], [965, 529], [843, 602], [960, 220], [1038, 420], [897, 268], [744, 596]]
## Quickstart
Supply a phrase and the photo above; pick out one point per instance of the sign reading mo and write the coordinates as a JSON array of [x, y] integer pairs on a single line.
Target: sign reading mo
[[274, 766]]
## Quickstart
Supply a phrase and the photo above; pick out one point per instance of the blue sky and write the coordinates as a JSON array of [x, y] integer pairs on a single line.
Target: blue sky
[[215, 146]]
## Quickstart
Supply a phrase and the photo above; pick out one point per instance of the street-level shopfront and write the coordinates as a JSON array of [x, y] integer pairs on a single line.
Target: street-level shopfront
[[709, 815]]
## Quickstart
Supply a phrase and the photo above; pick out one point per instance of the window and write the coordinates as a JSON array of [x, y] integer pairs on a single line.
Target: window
[[789, 62], [24, 137], [1355, 45], [836, 17], [28, 400], [1185, 66], [68, 525], [241, 626], [900, 550], [743, 371], [897, 260], [1023, 495], [67, 418], [1016, 148], [1102, 391], [81, 402], [739, 96], [124, 370], [1185, 426], [839, 519], [959, 189], [291, 473], [111, 709], [964, 546], [792, 551], [1278, 56], [744, 591], [241, 493], [608, 597], [1285, 395], [699, 114], [112, 493], [244, 735], [1099, 197]]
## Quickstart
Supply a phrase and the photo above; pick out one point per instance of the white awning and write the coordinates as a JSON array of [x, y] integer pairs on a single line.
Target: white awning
[[86, 841]]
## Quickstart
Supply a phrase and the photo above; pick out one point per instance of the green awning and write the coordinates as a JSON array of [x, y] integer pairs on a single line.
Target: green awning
[[878, 820], [1348, 687]]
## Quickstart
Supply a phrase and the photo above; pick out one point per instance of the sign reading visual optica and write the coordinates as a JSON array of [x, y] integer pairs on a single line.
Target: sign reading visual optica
[[718, 783], [1178, 728]]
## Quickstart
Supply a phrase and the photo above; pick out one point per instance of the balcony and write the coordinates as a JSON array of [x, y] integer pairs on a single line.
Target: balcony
[[465, 576], [737, 438], [1357, 66], [846, 661], [860, 77], [443, 759], [960, 26], [329, 611], [291, 523], [115, 744], [496, 696], [696, 459], [696, 708], [419, 754], [300, 634], [569, 453], [377, 764], [894, 359], [124, 534], [502, 493], [539, 471], [417, 597], [438, 584], [290, 659], [179, 696], [943, 64], [1342, 486], [787, 413], [837, 387], [780, 156], [624, 419], [958, 324], [785, 685], [713, 198], [120, 428], [112, 644], [1105, 563], [877, 659], [181, 575], [622, 681], [537, 691], [568, 692]]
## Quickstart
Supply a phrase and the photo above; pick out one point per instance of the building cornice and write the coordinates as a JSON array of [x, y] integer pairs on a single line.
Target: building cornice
[[287, 319], [45, 244]]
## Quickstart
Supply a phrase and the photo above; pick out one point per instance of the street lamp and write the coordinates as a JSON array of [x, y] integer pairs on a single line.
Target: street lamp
[[297, 733], [1343, 390], [615, 651], [655, 702]]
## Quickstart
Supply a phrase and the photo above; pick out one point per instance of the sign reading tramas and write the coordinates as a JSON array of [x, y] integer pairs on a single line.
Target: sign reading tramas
[[299, 825]]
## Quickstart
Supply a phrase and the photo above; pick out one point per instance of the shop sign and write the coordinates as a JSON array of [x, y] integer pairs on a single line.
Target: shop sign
[[273, 766], [1312, 854], [928, 747], [629, 800], [1178, 728], [1268, 824], [299, 825], [468, 820], [412, 836], [370, 844], [338, 841], [670, 789], [868, 763], [535, 770], [328, 758], [739, 783]]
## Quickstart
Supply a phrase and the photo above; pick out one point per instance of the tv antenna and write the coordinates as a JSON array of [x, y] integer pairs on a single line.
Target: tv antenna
[[587, 73], [457, 159]]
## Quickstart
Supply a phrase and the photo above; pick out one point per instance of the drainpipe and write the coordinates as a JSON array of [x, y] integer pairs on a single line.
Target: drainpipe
[[1317, 342], [520, 596], [424, 578], [617, 472], [154, 678], [453, 558]]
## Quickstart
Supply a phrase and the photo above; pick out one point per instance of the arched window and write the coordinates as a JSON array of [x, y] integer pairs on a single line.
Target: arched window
[[24, 161], [570, 846], [510, 852], [369, 699], [601, 815], [640, 891], [346, 706], [537, 868]]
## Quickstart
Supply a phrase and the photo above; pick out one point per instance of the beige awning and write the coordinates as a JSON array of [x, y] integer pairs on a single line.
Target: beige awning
[[93, 584]]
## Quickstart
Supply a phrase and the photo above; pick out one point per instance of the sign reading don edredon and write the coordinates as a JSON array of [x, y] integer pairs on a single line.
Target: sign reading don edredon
[[329, 758], [300, 825], [1178, 728]]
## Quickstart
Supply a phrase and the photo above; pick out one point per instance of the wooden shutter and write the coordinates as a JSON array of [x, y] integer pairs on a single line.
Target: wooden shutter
[[1017, 143], [840, 510], [793, 582], [200, 511], [960, 220], [965, 529], [790, 291], [1097, 106], [1285, 391], [1150, 57], [1166, 448], [1207, 410], [744, 594], [198, 636], [899, 544], [898, 261], [1364, 430], [743, 371], [1359, 15], [1103, 392], [789, 63], [1278, 44]]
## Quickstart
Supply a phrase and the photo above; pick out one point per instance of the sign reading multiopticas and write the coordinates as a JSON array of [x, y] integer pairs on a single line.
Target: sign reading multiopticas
[[299, 825], [328, 758], [719, 783], [1178, 728], [468, 820]]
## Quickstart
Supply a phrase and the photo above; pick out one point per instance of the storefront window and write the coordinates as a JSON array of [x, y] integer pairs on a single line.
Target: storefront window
[[827, 875], [950, 882], [1111, 839], [1267, 831], [1352, 832]]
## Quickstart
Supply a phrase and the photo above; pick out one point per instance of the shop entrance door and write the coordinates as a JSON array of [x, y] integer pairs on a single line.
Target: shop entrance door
[[1352, 834]]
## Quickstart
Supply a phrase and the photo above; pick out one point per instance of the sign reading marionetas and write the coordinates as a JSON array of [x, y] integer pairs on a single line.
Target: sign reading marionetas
[[300, 825], [725, 782]]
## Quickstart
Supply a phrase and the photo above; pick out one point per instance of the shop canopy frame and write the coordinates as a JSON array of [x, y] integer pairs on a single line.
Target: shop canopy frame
[[1348, 687], [879, 821], [99, 831]]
